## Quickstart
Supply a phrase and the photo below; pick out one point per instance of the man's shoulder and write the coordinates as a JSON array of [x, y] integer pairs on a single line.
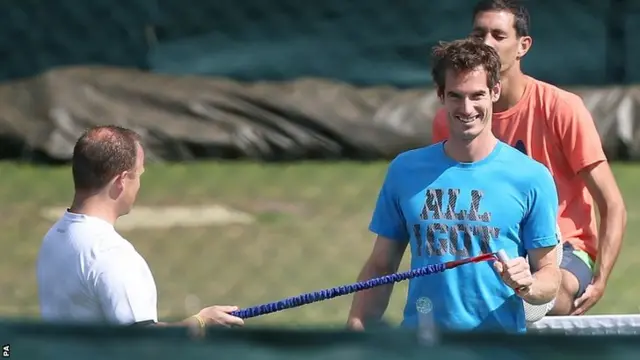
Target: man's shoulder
[[520, 163], [422, 154], [558, 97], [88, 239], [409, 160], [528, 174], [79, 250]]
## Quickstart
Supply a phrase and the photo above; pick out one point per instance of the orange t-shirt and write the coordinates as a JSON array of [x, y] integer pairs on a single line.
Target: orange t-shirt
[[554, 127]]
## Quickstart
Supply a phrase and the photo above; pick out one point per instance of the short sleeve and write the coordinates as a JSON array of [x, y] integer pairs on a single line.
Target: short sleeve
[[577, 133], [439, 128], [539, 228], [388, 220], [126, 288]]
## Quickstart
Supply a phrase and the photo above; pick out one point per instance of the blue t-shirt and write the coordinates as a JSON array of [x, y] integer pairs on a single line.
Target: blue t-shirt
[[449, 210]]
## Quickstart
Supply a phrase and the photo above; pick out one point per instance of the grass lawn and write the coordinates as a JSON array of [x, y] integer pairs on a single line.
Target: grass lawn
[[310, 233]]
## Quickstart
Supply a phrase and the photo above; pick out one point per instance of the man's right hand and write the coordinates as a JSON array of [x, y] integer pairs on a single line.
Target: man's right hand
[[219, 315], [355, 325]]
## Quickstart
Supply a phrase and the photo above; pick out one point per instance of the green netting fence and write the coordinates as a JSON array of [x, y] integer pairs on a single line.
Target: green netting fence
[[358, 41]]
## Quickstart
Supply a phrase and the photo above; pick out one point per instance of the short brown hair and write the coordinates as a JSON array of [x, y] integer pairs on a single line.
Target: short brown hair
[[462, 56], [101, 153]]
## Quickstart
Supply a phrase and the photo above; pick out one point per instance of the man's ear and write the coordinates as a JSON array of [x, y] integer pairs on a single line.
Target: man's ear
[[496, 91], [119, 180], [524, 45]]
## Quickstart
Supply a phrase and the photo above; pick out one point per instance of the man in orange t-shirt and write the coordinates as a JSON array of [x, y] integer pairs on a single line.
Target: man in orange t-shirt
[[554, 127]]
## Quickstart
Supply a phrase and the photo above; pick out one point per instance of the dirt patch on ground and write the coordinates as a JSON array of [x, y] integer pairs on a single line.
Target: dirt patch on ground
[[270, 206], [162, 217]]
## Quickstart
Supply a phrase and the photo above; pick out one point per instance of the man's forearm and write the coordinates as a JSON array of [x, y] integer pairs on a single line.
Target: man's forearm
[[545, 286], [369, 305], [191, 323], [613, 221]]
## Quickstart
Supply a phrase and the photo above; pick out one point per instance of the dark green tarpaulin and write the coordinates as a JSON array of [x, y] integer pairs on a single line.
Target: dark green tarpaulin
[[30, 341]]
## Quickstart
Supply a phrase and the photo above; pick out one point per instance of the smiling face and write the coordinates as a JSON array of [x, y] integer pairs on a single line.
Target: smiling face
[[467, 77], [469, 100]]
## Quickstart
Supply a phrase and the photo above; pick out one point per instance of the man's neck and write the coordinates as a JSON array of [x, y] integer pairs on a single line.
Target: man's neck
[[93, 206], [471, 151], [513, 83]]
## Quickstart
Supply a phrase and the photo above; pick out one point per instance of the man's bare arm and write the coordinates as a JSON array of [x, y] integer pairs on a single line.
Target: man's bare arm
[[546, 276], [370, 305], [216, 315], [602, 185], [191, 322]]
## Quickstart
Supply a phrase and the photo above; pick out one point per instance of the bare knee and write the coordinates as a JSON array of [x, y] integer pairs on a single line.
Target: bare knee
[[569, 288]]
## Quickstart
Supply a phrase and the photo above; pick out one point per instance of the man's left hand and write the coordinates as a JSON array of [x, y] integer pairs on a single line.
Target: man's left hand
[[591, 296]]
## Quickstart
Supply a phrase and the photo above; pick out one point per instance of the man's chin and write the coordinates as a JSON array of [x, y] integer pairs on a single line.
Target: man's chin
[[467, 135]]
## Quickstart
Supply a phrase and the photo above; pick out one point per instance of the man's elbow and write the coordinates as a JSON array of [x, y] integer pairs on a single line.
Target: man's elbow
[[615, 209], [622, 210], [379, 267], [385, 258], [623, 215], [549, 280]]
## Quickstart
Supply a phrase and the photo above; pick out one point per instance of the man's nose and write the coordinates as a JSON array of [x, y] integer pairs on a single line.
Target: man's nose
[[467, 106], [489, 40]]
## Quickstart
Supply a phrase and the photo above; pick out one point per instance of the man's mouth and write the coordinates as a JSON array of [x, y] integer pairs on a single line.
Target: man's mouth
[[468, 119]]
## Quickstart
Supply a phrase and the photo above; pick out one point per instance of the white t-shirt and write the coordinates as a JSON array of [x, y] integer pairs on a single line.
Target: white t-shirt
[[88, 273]]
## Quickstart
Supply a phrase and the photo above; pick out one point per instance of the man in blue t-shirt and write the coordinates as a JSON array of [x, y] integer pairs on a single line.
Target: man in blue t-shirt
[[468, 195]]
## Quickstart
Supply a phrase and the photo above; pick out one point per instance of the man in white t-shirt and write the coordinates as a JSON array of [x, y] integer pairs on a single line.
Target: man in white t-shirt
[[86, 271]]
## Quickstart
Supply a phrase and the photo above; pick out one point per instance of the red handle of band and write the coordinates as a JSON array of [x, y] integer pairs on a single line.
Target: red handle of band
[[501, 256]]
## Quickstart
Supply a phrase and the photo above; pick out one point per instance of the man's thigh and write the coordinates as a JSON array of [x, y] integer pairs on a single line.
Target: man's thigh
[[578, 264]]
